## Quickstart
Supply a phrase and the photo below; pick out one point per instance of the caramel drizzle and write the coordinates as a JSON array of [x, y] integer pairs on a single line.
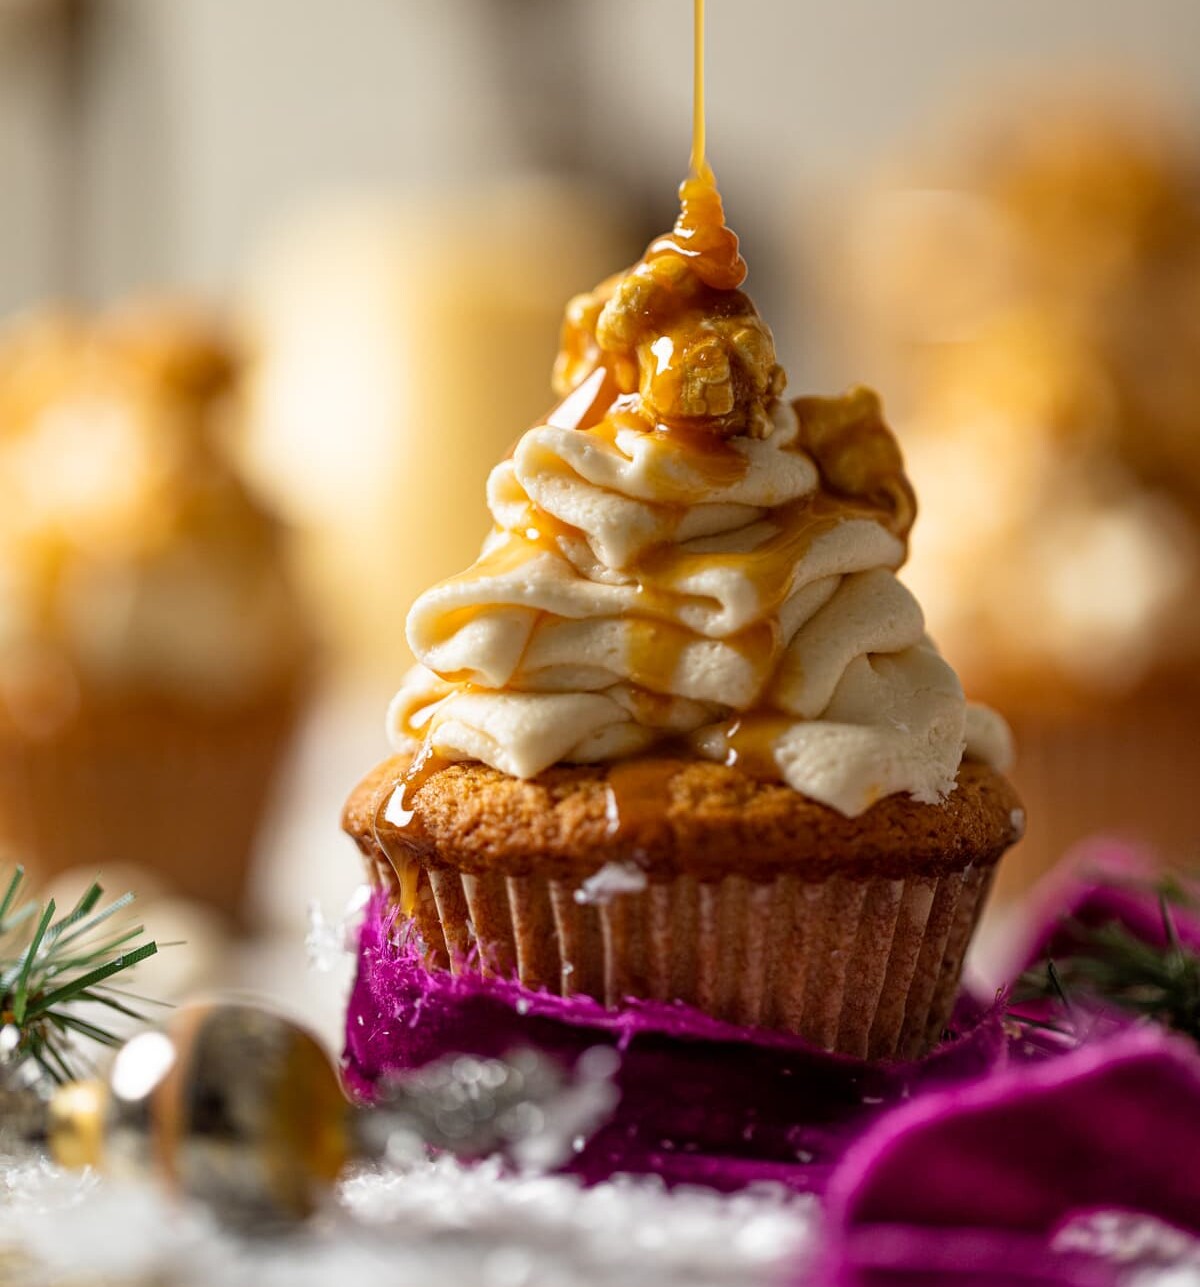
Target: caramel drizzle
[[750, 741], [395, 810], [690, 278], [658, 640], [636, 795], [701, 236]]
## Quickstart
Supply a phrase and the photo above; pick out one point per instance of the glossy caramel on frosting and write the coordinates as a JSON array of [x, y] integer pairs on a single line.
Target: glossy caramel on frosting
[[662, 540], [673, 349], [684, 561]]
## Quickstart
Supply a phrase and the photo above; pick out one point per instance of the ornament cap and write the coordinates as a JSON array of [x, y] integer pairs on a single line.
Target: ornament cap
[[77, 1119]]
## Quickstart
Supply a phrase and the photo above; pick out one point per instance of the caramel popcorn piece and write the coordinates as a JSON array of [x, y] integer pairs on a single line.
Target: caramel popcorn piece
[[857, 454]]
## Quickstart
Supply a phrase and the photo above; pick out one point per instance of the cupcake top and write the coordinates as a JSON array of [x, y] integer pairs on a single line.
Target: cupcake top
[[683, 560], [131, 557]]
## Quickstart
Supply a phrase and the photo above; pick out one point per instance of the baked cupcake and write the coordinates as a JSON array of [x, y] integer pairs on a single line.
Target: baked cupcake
[[152, 654], [1045, 312], [679, 733]]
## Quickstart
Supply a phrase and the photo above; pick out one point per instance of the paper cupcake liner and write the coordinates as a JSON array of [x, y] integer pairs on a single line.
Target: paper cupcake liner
[[864, 967], [178, 792], [1131, 772]]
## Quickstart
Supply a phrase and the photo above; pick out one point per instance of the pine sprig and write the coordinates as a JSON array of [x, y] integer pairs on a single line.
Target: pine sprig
[[1110, 965], [52, 965]]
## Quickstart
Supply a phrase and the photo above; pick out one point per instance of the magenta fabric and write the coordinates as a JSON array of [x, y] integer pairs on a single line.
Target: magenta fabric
[[1098, 882], [969, 1184], [701, 1101]]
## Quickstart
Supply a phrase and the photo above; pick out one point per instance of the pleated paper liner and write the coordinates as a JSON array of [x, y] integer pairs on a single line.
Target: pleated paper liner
[[180, 791], [865, 967], [1131, 770]]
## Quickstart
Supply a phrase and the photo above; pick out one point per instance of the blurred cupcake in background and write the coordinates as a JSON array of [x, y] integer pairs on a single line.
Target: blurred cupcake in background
[[1035, 294], [153, 656]]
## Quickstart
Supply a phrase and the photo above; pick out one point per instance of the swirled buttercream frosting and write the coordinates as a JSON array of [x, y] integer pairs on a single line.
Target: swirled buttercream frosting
[[682, 558]]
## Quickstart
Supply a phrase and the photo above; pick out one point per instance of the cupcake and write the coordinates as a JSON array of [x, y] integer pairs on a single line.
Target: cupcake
[[1045, 310], [152, 654], [679, 734]]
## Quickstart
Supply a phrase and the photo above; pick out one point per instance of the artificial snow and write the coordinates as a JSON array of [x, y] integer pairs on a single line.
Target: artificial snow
[[430, 1223]]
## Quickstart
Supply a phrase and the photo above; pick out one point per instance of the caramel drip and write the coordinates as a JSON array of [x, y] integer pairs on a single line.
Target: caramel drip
[[657, 642], [715, 462], [655, 650], [636, 792], [772, 565], [657, 647], [394, 813], [701, 237], [541, 535], [686, 279], [750, 741]]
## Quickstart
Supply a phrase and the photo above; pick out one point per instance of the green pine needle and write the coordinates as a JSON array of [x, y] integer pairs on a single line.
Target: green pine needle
[[9, 895], [28, 960], [1112, 966], [49, 968]]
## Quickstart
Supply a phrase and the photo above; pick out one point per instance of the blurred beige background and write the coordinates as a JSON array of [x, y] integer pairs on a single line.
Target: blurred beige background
[[206, 122]]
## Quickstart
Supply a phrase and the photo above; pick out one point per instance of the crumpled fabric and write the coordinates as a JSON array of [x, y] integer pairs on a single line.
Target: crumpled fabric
[[969, 1185], [702, 1101]]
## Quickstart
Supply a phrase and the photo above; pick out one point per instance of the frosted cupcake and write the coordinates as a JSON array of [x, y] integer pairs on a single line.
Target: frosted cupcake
[[679, 732], [152, 655]]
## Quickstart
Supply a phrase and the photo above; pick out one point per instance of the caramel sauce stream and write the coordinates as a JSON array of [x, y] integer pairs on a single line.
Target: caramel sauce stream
[[699, 163], [700, 234]]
